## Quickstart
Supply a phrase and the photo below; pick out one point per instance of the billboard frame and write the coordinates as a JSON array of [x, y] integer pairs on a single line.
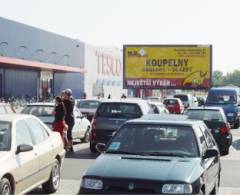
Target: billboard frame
[[180, 45]]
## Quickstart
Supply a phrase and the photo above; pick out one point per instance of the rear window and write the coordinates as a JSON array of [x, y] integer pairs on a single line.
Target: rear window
[[206, 115], [125, 110], [182, 97], [170, 102], [222, 97], [88, 104], [38, 110]]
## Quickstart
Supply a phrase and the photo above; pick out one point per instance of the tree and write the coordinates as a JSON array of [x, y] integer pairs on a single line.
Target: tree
[[218, 78]]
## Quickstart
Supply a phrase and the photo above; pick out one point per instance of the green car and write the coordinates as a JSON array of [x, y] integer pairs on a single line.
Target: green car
[[156, 154]]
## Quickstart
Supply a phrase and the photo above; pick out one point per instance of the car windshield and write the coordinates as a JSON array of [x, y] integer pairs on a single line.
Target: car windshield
[[5, 136], [91, 104], [222, 97], [154, 140], [38, 110], [206, 115], [124, 110], [182, 97]]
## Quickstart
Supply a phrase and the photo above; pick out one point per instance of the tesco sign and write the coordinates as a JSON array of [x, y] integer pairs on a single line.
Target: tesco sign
[[108, 64]]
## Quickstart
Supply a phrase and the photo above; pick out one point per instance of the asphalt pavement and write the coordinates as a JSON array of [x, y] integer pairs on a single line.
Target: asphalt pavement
[[75, 165]]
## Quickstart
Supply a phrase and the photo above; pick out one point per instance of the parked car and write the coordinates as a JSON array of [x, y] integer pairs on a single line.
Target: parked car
[[188, 100], [156, 154], [81, 129], [88, 107], [111, 114], [216, 121], [174, 105], [158, 107], [30, 155], [6, 108], [229, 99]]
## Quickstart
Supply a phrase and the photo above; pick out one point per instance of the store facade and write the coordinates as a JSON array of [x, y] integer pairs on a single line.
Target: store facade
[[104, 69], [37, 63]]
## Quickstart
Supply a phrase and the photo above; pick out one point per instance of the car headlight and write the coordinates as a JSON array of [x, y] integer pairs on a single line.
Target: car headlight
[[95, 184], [230, 114], [177, 189]]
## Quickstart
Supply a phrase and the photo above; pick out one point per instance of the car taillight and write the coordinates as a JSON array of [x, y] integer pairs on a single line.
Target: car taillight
[[93, 122], [225, 129], [93, 134]]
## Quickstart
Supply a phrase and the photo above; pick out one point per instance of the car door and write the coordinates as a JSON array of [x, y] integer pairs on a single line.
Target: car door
[[27, 162], [44, 147], [211, 164]]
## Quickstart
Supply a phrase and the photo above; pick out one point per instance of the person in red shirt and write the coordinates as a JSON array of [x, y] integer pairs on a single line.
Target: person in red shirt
[[59, 117]]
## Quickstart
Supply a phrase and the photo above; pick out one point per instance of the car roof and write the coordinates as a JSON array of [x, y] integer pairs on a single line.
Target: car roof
[[173, 119], [182, 94], [226, 88], [173, 98], [14, 117], [124, 100], [205, 108], [41, 104], [90, 99]]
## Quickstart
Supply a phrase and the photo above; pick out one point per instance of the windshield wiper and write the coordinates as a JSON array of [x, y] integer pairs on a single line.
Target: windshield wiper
[[124, 152], [177, 154]]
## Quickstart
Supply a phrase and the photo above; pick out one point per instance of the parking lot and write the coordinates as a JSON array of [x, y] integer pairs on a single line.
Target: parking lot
[[75, 165]]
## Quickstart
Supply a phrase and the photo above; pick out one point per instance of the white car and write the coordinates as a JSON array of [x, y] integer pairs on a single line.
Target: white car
[[30, 155], [43, 110], [159, 107]]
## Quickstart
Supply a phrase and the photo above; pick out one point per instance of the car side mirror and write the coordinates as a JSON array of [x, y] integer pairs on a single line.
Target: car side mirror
[[210, 153], [23, 148], [100, 147]]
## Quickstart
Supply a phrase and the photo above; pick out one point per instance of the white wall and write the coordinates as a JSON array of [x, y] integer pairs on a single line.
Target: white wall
[[104, 71]]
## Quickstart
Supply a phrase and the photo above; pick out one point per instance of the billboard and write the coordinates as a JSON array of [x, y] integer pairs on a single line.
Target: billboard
[[167, 66]]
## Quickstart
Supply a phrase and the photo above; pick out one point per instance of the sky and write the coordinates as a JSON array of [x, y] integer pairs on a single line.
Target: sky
[[118, 22]]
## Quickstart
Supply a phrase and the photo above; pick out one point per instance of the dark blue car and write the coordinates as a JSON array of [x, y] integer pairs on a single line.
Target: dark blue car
[[227, 98]]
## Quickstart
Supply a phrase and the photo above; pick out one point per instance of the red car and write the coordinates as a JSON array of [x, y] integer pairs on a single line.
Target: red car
[[174, 105]]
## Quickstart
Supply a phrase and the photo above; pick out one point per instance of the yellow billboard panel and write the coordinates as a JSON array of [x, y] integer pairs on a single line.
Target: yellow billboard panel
[[180, 66]]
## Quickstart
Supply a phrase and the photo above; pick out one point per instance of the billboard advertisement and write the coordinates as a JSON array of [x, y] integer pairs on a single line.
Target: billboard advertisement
[[167, 66]]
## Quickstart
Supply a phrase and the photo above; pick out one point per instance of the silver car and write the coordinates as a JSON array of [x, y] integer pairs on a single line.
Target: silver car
[[82, 126], [30, 155]]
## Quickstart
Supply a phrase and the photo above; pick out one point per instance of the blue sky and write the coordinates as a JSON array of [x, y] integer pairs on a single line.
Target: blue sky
[[117, 22]]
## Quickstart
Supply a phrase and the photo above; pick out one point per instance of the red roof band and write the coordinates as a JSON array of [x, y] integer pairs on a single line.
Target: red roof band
[[20, 63]]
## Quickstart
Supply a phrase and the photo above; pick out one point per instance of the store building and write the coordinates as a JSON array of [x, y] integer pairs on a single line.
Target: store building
[[38, 63], [104, 70]]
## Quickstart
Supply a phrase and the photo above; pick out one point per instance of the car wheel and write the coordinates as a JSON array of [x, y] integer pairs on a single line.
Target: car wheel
[[52, 184], [93, 148], [86, 136], [5, 187]]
